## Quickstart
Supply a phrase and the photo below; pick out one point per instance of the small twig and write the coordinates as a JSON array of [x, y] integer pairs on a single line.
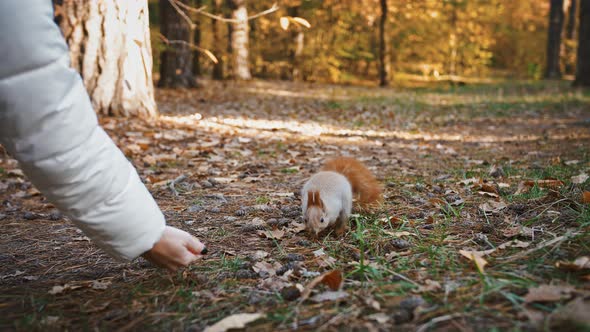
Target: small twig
[[437, 320], [202, 11], [174, 4], [190, 45], [180, 178], [401, 276]]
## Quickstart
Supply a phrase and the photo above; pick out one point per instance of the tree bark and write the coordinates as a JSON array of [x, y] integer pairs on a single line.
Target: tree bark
[[239, 40], [583, 56], [383, 63], [556, 20], [197, 42], [218, 73], [296, 48], [110, 47], [571, 20], [176, 61]]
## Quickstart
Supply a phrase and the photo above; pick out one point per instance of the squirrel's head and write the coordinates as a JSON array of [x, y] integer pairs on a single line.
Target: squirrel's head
[[316, 219]]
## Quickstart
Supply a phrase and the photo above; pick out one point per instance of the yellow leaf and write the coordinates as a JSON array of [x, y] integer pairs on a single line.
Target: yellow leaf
[[301, 21], [284, 22], [477, 257]]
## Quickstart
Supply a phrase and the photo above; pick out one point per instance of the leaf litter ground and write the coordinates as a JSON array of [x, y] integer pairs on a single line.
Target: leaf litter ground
[[485, 223]]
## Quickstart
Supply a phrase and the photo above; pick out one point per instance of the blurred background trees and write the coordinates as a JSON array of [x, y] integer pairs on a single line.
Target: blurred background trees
[[379, 40], [336, 41]]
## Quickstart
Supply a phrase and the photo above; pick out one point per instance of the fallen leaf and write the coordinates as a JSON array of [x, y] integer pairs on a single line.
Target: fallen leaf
[[429, 286], [320, 252], [276, 234], [259, 255], [586, 197], [573, 315], [579, 179], [548, 293], [264, 267], [581, 263], [101, 285], [549, 183], [477, 257], [492, 207], [329, 296], [235, 321], [379, 317], [298, 227], [488, 194], [397, 234], [333, 279], [60, 289], [514, 244]]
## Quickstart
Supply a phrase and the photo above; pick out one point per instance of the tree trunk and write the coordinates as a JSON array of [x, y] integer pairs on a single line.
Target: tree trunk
[[197, 42], [176, 61], [383, 79], [217, 42], [571, 21], [110, 47], [296, 48], [556, 20], [239, 40], [583, 57]]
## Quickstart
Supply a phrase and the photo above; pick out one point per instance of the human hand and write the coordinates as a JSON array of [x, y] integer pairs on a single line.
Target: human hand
[[175, 249]]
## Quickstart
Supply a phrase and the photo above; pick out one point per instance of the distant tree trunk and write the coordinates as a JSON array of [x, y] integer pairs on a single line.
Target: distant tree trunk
[[296, 49], [556, 20], [197, 42], [383, 63], [583, 57], [217, 42], [571, 21], [110, 46], [176, 61], [239, 40]]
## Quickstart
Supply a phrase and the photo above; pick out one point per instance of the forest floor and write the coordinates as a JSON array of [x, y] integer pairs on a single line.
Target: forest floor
[[485, 225]]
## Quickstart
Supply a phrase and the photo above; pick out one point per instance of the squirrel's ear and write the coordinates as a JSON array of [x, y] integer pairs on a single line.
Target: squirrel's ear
[[310, 198]]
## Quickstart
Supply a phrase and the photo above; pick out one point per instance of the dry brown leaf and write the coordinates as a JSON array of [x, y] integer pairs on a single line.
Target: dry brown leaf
[[429, 286], [333, 279], [581, 263], [235, 321], [492, 207], [586, 197], [548, 183], [477, 257], [276, 234], [548, 293], [488, 194], [574, 314]]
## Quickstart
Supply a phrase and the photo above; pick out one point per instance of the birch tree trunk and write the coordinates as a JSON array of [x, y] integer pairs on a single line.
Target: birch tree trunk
[[239, 40], [110, 47]]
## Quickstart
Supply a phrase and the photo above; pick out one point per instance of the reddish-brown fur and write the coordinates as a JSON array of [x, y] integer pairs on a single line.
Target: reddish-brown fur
[[313, 199], [364, 184]]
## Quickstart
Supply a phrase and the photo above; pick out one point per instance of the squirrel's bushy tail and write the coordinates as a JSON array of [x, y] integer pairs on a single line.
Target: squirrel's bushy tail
[[364, 184]]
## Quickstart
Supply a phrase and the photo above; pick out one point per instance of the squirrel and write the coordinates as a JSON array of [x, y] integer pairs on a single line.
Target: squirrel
[[326, 198]]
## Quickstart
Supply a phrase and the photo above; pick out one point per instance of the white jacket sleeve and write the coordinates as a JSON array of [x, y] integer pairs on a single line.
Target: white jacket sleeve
[[48, 125]]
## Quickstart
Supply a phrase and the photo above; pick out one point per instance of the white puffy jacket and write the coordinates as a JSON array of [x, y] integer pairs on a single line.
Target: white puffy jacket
[[48, 125]]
